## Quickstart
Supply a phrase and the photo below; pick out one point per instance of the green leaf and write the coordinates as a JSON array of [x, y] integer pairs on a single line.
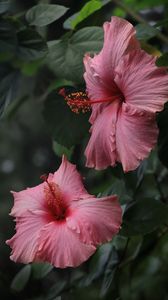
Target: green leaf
[[40, 270], [31, 68], [162, 60], [144, 216], [58, 83], [86, 11], [4, 6], [163, 22], [56, 290], [20, 280], [9, 84], [65, 56], [145, 32], [131, 249], [60, 150], [117, 187], [67, 128], [61, 280], [14, 90], [143, 3], [44, 14], [98, 264], [8, 40], [163, 136], [109, 272], [31, 45]]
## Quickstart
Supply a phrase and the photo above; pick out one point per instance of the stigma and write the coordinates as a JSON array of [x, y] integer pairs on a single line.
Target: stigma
[[54, 198]]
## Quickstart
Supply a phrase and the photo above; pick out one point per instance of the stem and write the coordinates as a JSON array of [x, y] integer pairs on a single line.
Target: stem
[[139, 19]]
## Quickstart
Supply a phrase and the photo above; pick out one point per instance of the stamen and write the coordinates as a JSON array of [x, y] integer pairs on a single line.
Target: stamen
[[79, 101], [54, 198]]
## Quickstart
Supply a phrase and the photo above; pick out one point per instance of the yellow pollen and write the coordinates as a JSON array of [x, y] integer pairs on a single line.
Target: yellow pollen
[[78, 102]]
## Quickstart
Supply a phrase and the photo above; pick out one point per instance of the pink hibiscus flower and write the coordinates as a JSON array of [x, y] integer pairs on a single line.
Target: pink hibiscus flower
[[125, 90], [59, 222], [132, 89]]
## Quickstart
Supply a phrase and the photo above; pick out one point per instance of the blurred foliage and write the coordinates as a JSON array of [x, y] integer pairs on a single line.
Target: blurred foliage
[[42, 44]]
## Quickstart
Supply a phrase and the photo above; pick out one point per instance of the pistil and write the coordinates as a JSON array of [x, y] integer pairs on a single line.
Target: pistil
[[79, 101], [54, 198]]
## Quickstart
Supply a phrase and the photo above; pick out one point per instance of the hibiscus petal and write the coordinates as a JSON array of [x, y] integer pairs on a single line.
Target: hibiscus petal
[[96, 88], [61, 247], [29, 199], [136, 135], [101, 149], [96, 220], [24, 243], [70, 181], [141, 81], [119, 38]]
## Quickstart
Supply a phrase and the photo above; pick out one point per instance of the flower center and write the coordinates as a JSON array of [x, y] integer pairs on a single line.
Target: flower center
[[79, 101], [54, 198]]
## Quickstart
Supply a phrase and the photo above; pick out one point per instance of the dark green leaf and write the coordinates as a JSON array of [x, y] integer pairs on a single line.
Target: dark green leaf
[[66, 56], [133, 249], [58, 83], [8, 89], [109, 272], [144, 216], [118, 187], [163, 22], [31, 68], [145, 32], [31, 45], [86, 11], [8, 40], [4, 6], [20, 280], [98, 264], [66, 127], [14, 89], [44, 14], [56, 290], [163, 136], [60, 150], [61, 282], [40, 270], [162, 60]]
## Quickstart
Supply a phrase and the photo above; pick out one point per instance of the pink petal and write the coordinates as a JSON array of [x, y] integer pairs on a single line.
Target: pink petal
[[136, 135], [96, 220], [61, 247], [24, 243], [119, 38], [97, 88], [101, 149], [143, 84], [29, 199], [70, 181]]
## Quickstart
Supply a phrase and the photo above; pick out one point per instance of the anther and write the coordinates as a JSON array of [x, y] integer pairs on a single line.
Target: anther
[[79, 101]]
